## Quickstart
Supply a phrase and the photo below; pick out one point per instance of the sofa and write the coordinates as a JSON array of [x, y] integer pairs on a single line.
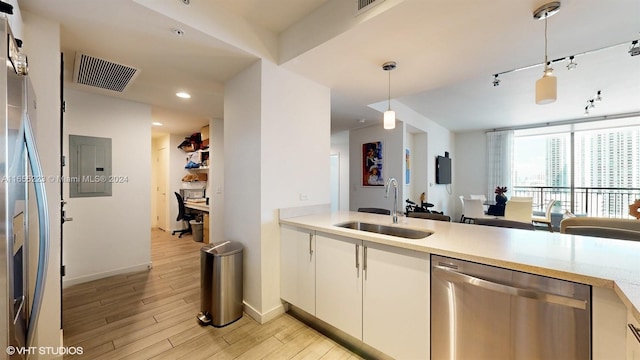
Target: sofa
[[625, 229]]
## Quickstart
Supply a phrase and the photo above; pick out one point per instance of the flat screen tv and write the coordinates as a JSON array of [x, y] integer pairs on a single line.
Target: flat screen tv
[[443, 170]]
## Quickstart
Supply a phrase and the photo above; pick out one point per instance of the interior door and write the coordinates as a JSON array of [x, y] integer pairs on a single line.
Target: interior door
[[162, 158]]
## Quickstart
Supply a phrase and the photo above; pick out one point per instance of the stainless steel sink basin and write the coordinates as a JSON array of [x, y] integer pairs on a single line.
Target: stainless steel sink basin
[[386, 230]]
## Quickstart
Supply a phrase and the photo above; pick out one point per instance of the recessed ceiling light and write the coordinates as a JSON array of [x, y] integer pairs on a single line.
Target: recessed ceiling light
[[186, 2], [155, 123], [183, 95], [177, 32]]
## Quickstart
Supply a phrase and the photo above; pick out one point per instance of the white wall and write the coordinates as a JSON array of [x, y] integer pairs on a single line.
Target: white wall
[[157, 143], [216, 181], [277, 132], [439, 140], [177, 160], [470, 167], [393, 166], [41, 44], [340, 146], [420, 163], [111, 234]]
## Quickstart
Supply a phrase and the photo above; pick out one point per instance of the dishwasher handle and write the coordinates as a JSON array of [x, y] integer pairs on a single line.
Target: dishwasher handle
[[455, 276]]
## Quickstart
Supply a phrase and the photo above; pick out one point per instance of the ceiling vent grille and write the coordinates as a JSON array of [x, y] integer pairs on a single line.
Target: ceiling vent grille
[[365, 5], [104, 74]]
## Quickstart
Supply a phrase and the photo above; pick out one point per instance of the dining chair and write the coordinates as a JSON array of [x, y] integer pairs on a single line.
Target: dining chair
[[462, 202], [521, 211], [505, 224], [375, 211], [546, 219], [484, 200], [429, 216], [521, 198], [473, 210]]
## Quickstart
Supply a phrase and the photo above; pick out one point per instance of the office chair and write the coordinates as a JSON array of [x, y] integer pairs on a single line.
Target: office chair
[[184, 216]]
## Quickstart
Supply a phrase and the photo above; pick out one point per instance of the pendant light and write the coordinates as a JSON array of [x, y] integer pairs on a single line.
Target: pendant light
[[547, 86], [389, 115]]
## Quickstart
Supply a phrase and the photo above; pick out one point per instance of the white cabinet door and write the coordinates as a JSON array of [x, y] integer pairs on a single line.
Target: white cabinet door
[[298, 268], [339, 283], [608, 324], [396, 301], [633, 342]]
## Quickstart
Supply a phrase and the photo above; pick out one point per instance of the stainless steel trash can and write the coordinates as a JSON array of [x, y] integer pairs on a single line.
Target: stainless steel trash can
[[220, 283], [196, 230]]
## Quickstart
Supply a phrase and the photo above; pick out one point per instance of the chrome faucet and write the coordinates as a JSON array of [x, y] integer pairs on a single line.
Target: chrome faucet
[[393, 181]]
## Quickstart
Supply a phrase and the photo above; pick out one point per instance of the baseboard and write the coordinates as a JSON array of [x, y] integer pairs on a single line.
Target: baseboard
[[354, 345], [263, 317], [83, 279]]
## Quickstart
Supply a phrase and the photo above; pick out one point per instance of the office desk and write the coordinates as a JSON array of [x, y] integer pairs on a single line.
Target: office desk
[[204, 209], [200, 206]]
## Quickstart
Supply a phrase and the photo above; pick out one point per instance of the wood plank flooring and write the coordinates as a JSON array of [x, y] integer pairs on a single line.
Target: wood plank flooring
[[151, 315]]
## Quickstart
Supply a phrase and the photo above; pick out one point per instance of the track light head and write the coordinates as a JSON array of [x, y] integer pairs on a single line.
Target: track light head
[[634, 50], [496, 81], [586, 110], [598, 96], [571, 65]]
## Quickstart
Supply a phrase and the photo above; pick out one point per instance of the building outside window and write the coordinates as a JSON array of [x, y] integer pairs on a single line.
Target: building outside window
[[592, 168]]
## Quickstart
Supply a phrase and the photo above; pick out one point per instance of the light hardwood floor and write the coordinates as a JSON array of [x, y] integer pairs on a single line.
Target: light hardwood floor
[[151, 315]]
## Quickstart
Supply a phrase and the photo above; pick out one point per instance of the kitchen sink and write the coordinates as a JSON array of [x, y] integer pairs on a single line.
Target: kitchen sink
[[386, 230]]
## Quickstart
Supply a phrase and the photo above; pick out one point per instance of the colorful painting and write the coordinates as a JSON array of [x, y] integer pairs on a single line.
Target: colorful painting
[[407, 163], [372, 164]]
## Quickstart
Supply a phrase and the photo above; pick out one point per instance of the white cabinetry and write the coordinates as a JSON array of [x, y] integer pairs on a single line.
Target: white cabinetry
[[608, 324], [376, 293], [633, 338], [298, 268], [339, 283], [396, 301]]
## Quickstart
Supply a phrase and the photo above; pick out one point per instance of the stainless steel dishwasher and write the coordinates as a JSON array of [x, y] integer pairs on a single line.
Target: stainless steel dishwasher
[[485, 312]]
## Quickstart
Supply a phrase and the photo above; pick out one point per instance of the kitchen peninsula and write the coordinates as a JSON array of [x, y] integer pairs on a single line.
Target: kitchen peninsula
[[610, 266]]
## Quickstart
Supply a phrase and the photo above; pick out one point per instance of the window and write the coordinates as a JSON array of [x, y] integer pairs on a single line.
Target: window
[[599, 175]]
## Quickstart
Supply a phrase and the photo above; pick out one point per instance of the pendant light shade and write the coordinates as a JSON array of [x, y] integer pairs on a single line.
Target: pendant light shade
[[389, 120], [547, 86], [546, 89]]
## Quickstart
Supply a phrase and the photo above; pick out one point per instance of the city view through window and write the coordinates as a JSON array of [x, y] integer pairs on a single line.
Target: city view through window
[[605, 166]]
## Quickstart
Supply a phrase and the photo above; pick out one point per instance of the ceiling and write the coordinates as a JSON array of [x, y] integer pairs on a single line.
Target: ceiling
[[447, 52]]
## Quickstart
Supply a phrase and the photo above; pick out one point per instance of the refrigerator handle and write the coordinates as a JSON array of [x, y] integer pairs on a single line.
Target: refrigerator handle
[[43, 227], [448, 274]]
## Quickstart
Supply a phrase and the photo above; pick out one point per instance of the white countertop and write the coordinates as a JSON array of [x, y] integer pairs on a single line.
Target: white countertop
[[599, 262]]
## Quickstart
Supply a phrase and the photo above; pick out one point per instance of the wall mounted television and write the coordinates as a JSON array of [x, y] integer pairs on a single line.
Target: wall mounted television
[[443, 170]]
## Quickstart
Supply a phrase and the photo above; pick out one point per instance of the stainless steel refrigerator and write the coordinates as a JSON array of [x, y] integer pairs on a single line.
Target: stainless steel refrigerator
[[24, 224]]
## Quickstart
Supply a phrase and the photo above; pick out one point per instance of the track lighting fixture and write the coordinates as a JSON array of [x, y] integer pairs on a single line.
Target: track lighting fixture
[[591, 103], [598, 96], [634, 49], [496, 81], [547, 86], [572, 64], [389, 115]]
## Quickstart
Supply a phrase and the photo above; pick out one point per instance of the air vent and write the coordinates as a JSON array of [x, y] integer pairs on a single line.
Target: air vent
[[104, 74], [365, 5]]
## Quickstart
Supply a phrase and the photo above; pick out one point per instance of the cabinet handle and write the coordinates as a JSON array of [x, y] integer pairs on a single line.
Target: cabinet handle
[[357, 260], [635, 331], [364, 265], [310, 246]]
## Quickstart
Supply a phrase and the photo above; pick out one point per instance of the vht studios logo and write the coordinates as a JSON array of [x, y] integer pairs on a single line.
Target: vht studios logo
[[44, 350]]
